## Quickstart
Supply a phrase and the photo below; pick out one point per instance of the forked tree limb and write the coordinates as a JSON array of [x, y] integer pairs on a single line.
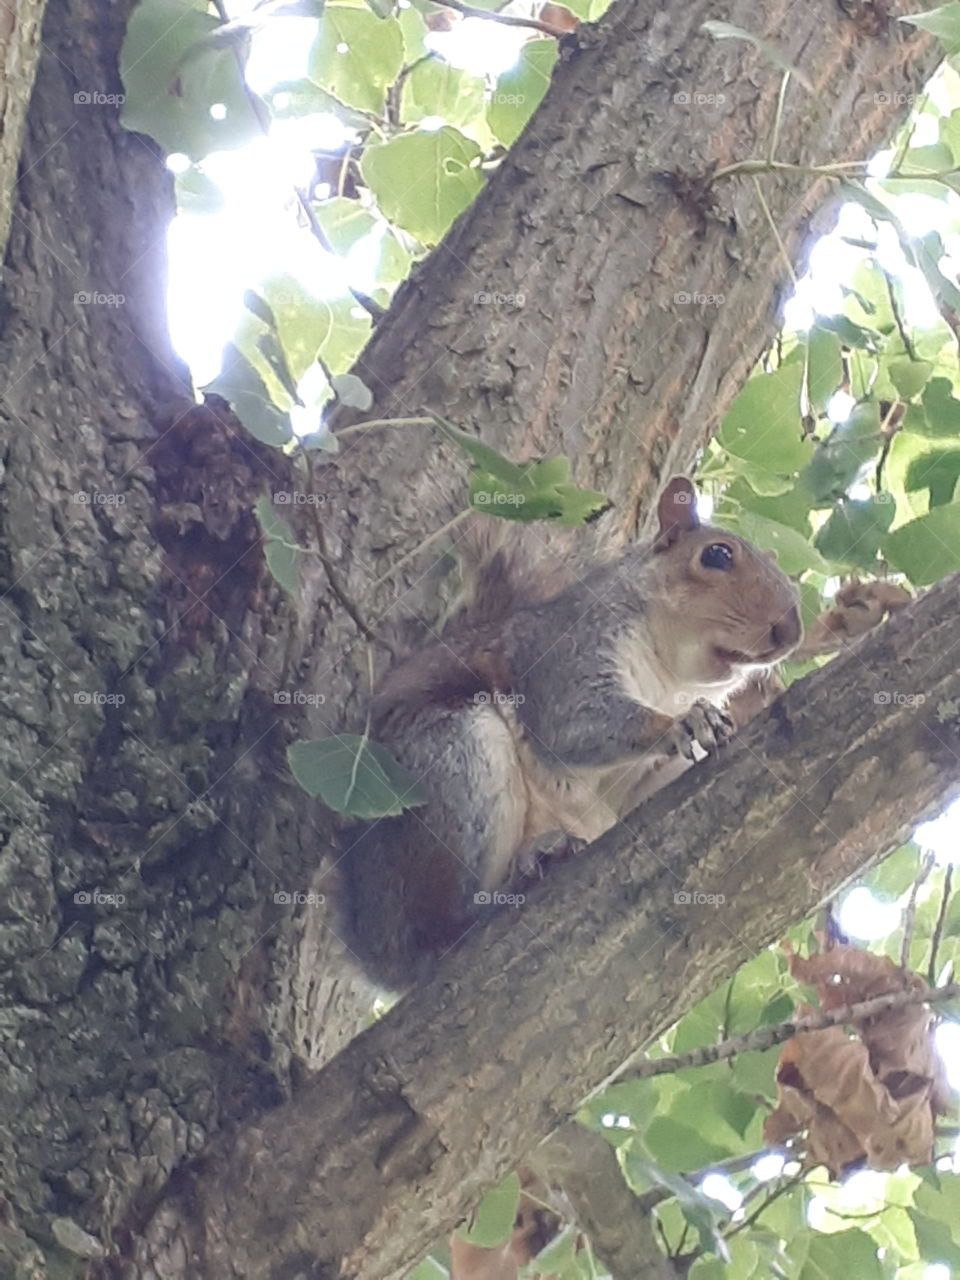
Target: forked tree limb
[[395, 1140]]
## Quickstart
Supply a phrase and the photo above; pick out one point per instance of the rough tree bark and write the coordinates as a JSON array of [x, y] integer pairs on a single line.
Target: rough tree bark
[[465, 1075], [154, 993]]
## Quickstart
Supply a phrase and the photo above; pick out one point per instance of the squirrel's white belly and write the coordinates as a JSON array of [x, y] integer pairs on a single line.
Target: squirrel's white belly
[[585, 801]]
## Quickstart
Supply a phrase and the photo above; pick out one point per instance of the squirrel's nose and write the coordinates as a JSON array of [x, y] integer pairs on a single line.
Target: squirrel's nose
[[786, 632]]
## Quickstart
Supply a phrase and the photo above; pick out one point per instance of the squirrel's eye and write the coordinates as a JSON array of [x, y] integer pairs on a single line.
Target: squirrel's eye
[[717, 556]]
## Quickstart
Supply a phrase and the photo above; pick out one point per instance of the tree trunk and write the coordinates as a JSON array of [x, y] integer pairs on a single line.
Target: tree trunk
[[155, 991]]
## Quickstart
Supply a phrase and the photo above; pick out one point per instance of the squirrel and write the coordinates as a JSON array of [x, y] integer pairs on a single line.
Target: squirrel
[[533, 724]]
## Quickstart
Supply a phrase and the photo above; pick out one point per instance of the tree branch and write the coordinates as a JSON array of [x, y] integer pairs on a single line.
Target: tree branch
[[766, 1037]]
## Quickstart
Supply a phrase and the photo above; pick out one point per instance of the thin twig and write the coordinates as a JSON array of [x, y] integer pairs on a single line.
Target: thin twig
[[778, 117], [766, 1037], [941, 917], [776, 234], [915, 115], [377, 423], [887, 445], [506, 19], [786, 1185], [431, 537], [333, 575], [910, 910], [895, 308], [841, 169]]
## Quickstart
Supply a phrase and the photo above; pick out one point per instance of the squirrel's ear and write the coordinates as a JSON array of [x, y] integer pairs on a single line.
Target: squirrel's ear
[[676, 511]]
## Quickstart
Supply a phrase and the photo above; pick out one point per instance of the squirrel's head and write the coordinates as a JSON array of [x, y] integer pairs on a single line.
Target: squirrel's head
[[731, 608]]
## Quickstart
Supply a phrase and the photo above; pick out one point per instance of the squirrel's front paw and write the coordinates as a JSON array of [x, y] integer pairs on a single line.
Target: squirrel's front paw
[[704, 726]]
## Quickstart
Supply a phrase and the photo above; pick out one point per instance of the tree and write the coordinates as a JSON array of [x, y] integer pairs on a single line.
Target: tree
[[161, 995]]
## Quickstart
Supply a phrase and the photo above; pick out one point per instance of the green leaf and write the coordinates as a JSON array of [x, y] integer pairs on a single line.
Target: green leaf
[[435, 88], [520, 90], [763, 424], [357, 56], [855, 530], [294, 99], [494, 1218], [844, 1253], [699, 1210], [791, 507], [680, 1149], [280, 550], [934, 1241], [928, 548], [422, 181], [354, 776], [197, 193], [429, 1269], [345, 222], [824, 366], [243, 388], [895, 874], [173, 80], [728, 31], [936, 471], [839, 459], [941, 411], [533, 491], [850, 333], [795, 554], [944, 23], [352, 391], [482, 455], [909, 376]]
